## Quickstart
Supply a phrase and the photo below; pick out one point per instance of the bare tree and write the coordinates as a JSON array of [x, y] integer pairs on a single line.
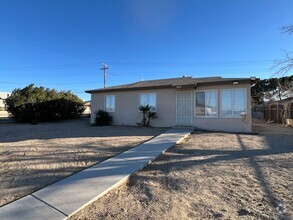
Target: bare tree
[[287, 29], [285, 65]]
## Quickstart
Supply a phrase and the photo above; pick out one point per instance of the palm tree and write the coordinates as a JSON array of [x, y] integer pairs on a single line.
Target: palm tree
[[144, 109], [150, 116]]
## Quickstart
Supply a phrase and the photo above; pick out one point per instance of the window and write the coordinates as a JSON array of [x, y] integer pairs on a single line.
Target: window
[[233, 103], [148, 99], [110, 103], [206, 104]]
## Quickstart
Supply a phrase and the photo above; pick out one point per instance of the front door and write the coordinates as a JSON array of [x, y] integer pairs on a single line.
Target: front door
[[184, 108]]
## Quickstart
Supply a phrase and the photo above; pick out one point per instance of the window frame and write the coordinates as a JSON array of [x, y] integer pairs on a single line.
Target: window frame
[[233, 107], [105, 103], [217, 104], [148, 93]]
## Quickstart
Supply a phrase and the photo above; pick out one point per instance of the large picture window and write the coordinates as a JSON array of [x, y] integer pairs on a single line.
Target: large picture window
[[148, 99], [233, 103], [206, 104], [110, 103]]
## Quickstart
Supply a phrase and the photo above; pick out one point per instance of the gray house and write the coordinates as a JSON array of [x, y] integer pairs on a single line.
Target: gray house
[[212, 103]]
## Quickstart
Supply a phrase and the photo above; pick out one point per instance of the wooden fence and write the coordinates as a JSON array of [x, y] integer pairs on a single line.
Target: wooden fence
[[277, 112]]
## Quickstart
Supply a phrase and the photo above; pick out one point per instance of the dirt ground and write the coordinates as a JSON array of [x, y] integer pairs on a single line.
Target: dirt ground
[[34, 156], [211, 176]]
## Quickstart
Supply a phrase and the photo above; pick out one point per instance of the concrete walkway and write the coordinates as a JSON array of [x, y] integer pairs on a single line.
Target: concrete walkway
[[66, 197]]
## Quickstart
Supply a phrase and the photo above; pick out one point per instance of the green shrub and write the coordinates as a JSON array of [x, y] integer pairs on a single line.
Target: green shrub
[[37, 104], [103, 118]]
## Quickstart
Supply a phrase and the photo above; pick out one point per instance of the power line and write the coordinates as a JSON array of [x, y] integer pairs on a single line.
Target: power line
[[194, 71], [190, 72], [49, 66], [57, 84], [228, 62], [87, 64]]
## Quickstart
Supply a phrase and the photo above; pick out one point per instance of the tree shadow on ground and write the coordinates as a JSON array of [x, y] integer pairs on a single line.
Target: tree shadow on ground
[[180, 159]]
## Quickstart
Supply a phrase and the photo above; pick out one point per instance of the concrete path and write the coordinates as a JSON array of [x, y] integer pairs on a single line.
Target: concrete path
[[66, 197]]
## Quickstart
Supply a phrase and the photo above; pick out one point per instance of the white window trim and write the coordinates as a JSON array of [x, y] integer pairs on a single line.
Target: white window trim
[[105, 107], [147, 93], [217, 98], [245, 102]]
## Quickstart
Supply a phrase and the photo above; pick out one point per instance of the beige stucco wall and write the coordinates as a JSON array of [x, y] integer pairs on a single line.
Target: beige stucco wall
[[87, 110], [126, 107], [226, 124], [127, 102], [2, 105]]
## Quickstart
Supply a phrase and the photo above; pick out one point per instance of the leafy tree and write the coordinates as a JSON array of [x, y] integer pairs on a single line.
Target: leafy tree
[[32, 104], [272, 89]]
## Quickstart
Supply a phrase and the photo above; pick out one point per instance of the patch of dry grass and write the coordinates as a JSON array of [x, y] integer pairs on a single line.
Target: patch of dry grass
[[34, 156], [211, 176]]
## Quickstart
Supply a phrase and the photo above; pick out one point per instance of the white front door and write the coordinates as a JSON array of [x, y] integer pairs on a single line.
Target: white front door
[[184, 108]]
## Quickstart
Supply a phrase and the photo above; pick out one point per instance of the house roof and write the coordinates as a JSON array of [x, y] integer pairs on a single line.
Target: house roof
[[87, 103], [286, 100], [181, 82]]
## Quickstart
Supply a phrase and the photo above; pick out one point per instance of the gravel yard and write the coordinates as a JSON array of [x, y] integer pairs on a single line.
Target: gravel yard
[[211, 176], [34, 156]]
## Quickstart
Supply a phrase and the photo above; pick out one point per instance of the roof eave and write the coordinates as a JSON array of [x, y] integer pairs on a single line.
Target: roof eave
[[127, 89], [225, 82], [177, 86]]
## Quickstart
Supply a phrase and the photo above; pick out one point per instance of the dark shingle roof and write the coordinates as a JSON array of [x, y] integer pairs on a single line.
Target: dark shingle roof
[[168, 83]]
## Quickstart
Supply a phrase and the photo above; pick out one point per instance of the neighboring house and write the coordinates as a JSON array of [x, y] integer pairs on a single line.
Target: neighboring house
[[211, 103], [87, 106], [3, 96]]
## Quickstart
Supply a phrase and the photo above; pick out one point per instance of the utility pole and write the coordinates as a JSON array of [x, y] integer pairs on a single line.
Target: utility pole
[[104, 68]]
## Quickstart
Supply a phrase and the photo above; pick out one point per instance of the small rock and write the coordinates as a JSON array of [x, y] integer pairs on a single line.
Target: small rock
[[242, 212], [217, 215]]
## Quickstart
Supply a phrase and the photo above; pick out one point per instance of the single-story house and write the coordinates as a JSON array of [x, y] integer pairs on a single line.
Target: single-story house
[[210, 103]]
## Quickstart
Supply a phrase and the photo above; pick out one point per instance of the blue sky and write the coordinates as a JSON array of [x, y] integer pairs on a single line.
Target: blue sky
[[61, 43]]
